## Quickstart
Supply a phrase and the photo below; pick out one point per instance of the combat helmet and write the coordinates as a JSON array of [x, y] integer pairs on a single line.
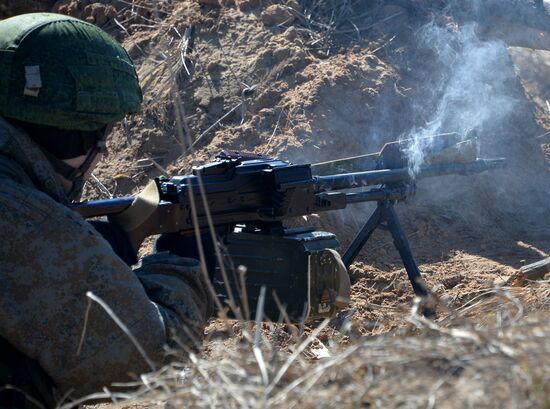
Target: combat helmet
[[62, 72]]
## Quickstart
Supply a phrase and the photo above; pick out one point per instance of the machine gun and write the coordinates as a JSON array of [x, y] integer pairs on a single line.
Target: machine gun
[[248, 197]]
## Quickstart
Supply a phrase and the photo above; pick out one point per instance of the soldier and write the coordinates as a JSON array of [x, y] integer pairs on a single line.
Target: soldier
[[63, 83]]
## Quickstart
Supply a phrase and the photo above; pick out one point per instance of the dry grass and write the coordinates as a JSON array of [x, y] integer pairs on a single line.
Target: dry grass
[[454, 362]]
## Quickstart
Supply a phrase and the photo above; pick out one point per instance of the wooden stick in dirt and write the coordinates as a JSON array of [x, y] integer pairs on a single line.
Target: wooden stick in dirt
[[534, 271]]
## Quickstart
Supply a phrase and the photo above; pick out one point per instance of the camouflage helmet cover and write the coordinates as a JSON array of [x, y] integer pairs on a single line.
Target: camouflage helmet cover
[[59, 71]]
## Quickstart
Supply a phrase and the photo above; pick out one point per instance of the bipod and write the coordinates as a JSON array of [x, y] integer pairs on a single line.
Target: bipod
[[386, 216]]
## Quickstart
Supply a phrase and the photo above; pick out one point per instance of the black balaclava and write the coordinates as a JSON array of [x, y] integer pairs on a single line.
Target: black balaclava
[[58, 144]]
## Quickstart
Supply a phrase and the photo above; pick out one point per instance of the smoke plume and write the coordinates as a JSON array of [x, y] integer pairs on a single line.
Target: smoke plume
[[470, 90]]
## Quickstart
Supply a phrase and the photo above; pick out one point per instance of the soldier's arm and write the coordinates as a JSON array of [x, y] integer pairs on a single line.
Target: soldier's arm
[[50, 258]]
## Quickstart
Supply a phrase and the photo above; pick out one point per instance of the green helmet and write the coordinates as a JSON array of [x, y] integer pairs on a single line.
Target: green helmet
[[62, 72]]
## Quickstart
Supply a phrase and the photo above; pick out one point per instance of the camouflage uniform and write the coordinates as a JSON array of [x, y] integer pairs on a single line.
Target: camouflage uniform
[[50, 257]]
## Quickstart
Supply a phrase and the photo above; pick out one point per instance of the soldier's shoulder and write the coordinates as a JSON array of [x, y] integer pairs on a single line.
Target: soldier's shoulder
[[32, 220], [6, 130], [21, 201]]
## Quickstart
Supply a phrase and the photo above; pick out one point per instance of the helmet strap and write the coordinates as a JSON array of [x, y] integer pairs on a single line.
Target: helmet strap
[[76, 175]]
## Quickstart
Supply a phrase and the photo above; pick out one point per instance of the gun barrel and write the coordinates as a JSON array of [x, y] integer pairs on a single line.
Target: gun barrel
[[477, 166], [379, 195], [359, 179], [389, 176]]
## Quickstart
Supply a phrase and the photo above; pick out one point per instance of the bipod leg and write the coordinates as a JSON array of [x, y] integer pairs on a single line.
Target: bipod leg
[[403, 247], [362, 237], [385, 212]]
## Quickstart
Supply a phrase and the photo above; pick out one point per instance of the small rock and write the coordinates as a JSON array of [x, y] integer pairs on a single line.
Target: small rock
[[246, 5], [263, 60], [202, 98], [291, 33], [215, 3], [401, 286], [281, 54], [294, 4], [452, 281], [99, 14], [215, 107], [266, 99], [438, 287], [276, 15], [300, 77], [214, 65]]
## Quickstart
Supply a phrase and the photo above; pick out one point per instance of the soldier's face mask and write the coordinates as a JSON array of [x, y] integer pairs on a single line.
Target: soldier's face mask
[[60, 144], [78, 175]]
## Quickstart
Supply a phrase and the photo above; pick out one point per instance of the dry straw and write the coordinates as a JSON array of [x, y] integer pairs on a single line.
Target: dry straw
[[449, 363]]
